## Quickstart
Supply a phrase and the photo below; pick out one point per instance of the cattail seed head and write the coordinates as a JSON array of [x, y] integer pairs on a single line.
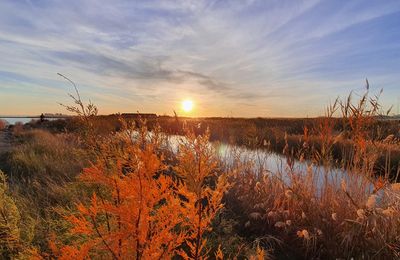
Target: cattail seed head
[[271, 214], [255, 215], [343, 185], [305, 234], [289, 194], [258, 187], [279, 224], [389, 212], [361, 213]]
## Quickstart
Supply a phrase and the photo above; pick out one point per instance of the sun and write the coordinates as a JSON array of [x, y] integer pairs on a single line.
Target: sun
[[187, 105]]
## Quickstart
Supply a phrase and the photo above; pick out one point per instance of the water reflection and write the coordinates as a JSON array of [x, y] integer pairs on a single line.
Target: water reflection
[[266, 162]]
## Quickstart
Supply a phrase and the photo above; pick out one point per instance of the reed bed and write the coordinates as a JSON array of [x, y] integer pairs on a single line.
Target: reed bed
[[133, 191]]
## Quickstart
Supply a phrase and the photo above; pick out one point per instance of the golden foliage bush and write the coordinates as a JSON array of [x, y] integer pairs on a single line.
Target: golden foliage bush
[[203, 190], [140, 210]]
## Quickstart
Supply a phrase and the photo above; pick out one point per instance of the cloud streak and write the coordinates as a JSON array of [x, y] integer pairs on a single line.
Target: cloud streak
[[256, 58]]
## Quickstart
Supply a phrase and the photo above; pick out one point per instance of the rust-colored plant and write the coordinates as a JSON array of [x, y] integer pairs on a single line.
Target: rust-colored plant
[[2, 124], [136, 211], [203, 191], [139, 210]]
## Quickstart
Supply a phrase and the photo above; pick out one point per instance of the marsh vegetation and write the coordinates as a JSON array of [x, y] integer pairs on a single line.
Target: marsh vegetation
[[128, 188]]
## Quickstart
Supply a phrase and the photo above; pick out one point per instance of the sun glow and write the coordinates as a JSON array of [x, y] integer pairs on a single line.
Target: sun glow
[[187, 105]]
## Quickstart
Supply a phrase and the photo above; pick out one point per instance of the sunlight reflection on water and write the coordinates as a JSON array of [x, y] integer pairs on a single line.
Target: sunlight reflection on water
[[271, 163]]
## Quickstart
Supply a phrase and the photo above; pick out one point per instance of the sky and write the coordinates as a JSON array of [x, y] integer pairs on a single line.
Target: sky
[[240, 58]]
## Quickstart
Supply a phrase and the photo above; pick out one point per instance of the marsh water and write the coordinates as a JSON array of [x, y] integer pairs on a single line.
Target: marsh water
[[14, 120], [267, 162], [262, 161], [23, 120]]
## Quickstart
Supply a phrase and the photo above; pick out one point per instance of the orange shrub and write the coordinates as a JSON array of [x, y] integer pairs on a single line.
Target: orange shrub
[[139, 210], [197, 166]]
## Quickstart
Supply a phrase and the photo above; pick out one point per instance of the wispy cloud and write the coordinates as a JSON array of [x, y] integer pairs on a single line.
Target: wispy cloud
[[251, 58]]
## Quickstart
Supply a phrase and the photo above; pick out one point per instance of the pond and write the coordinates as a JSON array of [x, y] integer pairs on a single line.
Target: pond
[[267, 162]]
